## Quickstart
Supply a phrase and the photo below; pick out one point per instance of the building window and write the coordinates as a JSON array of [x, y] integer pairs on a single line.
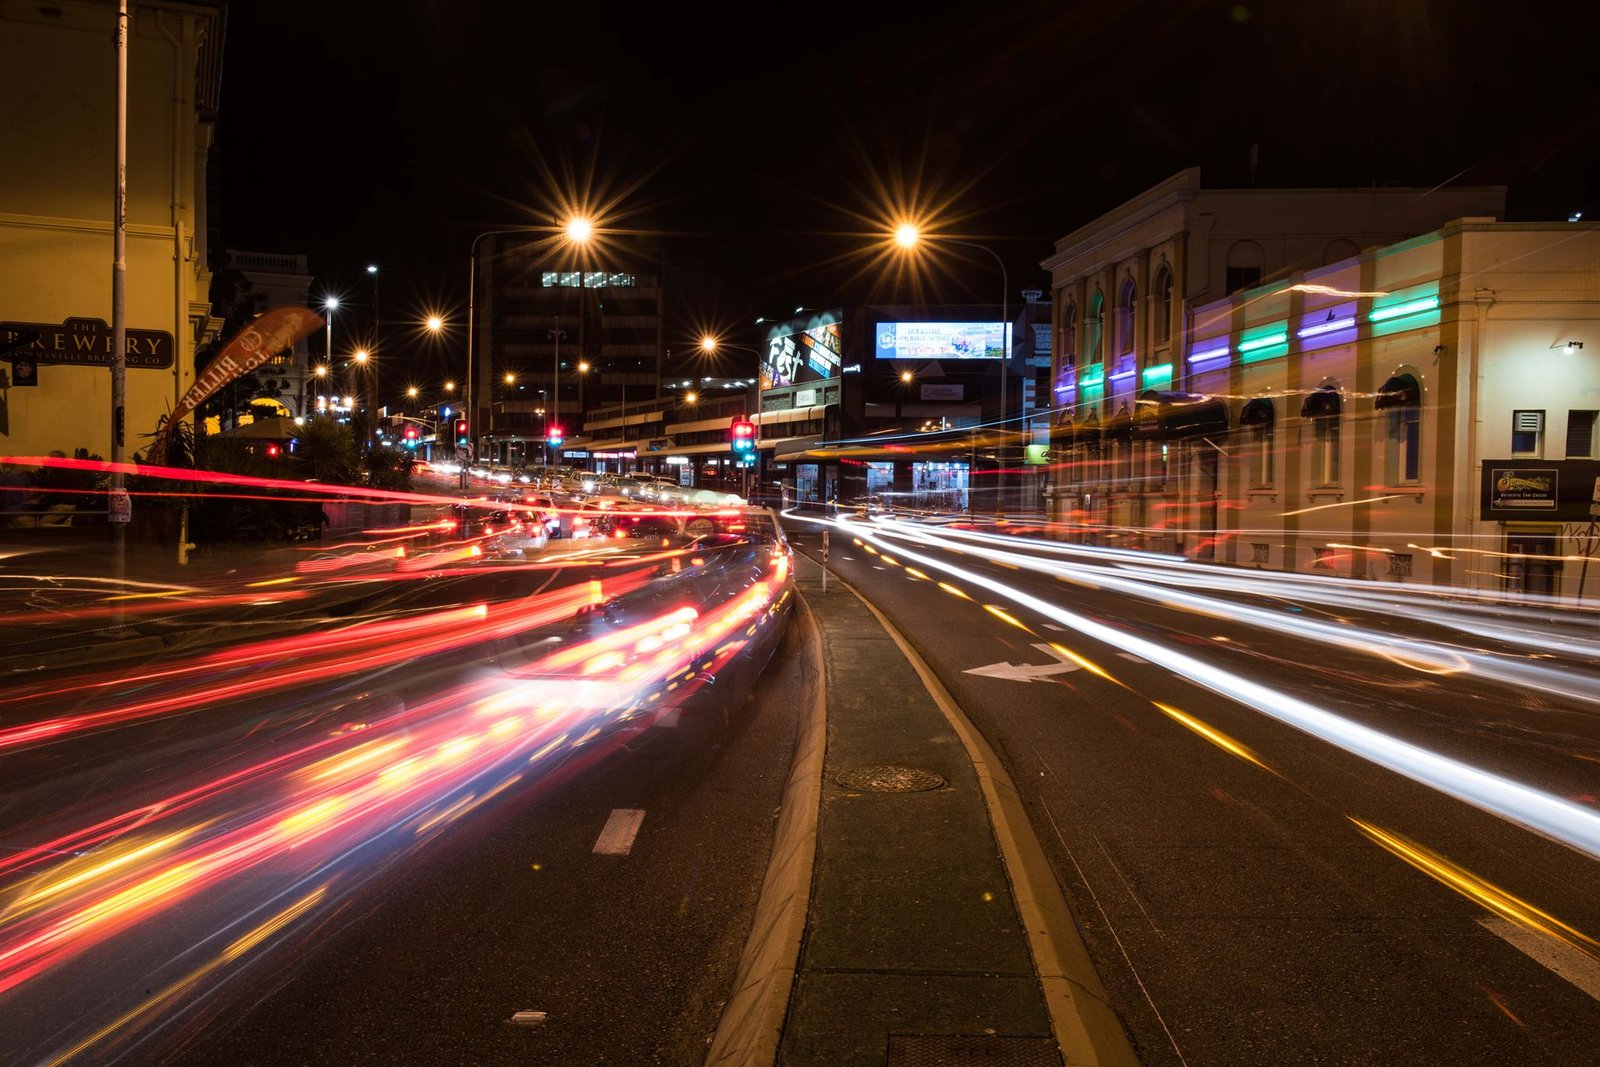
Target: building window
[[1127, 298], [1245, 266], [1401, 397], [1260, 553], [1527, 433], [1069, 336], [1322, 558], [1400, 565], [1096, 324], [1261, 455], [1580, 434], [1325, 451], [1161, 307]]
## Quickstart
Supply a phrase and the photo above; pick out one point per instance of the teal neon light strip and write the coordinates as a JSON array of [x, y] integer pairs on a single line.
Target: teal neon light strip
[[1095, 375], [1410, 307], [1256, 343], [1160, 374]]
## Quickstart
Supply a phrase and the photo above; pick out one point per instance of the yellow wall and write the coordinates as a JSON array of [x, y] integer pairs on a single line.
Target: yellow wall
[[57, 138]]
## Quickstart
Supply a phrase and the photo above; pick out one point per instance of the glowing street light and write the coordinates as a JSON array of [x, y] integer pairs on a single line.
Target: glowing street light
[[434, 323], [909, 236]]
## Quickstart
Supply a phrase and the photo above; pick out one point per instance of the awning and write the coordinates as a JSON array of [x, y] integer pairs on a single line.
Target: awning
[[1258, 411], [1321, 403], [1176, 416], [1401, 391], [1119, 427]]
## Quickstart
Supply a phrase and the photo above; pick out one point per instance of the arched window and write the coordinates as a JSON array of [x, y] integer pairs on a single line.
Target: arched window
[[1096, 323], [1161, 307], [1260, 418], [1401, 397], [1339, 248], [1324, 407], [1245, 265], [1127, 297], [1069, 336]]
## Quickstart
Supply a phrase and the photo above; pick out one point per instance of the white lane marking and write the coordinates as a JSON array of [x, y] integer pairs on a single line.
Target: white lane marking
[[1026, 672], [852, 559], [878, 568], [1579, 968], [1131, 658], [616, 838], [1053, 626]]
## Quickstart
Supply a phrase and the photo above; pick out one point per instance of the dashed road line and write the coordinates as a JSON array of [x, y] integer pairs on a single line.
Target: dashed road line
[[616, 838]]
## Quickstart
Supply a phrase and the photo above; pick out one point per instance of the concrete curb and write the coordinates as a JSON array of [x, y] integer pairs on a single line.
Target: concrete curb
[[751, 1026], [1086, 1027]]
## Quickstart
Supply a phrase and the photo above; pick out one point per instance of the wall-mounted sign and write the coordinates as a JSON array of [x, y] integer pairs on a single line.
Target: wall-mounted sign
[[804, 398], [658, 444], [805, 355], [1523, 488], [86, 342], [942, 391]]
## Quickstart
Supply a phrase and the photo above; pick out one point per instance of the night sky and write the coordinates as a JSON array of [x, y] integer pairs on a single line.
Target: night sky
[[767, 146]]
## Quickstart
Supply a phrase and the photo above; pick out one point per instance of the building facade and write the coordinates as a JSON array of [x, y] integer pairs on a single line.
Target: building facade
[[1423, 411], [279, 279], [59, 78], [574, 329]]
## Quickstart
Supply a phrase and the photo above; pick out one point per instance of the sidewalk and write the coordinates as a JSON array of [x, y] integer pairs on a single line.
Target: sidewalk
[[934, 932]]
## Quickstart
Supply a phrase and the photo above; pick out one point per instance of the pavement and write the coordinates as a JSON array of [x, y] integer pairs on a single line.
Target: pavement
[[908, 914]]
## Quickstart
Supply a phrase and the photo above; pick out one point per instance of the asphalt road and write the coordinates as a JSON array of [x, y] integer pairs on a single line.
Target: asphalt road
[[1238, 778], [371, 823], [630, 956]]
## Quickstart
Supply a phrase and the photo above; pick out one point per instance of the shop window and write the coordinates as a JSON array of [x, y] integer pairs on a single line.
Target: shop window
[[1325, 442], [1096, 324], [1400, 565]]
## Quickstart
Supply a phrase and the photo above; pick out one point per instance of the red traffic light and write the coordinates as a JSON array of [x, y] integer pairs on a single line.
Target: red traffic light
[[554, 436], [411, 433], [461, 431], [273, 451], [744, 435]]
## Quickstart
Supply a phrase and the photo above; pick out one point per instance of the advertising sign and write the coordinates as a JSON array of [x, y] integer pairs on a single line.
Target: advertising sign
[[940, 340], [811, 354], [1523, 488], [942, 392]]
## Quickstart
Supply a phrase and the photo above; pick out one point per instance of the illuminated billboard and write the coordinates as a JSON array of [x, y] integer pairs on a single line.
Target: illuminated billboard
[[808, 354], [939, 340]]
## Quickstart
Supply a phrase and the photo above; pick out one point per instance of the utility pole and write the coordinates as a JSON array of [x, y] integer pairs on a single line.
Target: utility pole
[[117, 503]]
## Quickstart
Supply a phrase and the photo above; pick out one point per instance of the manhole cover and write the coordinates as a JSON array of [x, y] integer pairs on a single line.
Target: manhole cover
[[887, 778], [951, 1050]]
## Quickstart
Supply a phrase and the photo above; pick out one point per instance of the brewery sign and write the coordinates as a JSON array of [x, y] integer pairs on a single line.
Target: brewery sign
[[85, 342]]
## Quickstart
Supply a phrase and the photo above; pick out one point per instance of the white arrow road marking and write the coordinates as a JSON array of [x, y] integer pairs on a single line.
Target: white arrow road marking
[[1027, 672], [616, 838]]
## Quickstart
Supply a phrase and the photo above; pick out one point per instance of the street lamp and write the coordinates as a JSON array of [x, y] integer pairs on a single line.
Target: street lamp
[[908, 236], [578, 229], [330, 304], [709, 345]]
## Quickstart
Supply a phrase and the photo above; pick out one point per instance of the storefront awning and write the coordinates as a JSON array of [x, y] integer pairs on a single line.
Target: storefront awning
[[1401, 391], [1119, 427], [1323, 403], [1258, 411], [1175, 416]]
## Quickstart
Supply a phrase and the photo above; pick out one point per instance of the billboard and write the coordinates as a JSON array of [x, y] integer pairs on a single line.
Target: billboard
[[940, 340], [810, 353]]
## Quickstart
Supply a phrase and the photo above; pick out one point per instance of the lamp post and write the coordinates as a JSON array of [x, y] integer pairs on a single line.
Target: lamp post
[[709, 345], [578, 229], [330, 305], [377, 333], [557, 335], [908, 236]]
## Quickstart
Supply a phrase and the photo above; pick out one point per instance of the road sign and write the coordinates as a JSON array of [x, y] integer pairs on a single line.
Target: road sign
[[463, 452], [1027, 672]]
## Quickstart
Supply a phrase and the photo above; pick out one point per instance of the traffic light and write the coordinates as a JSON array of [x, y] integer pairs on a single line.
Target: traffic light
[[273, 450], [461, 432], [554, 436], [744, 439], [411, 435]]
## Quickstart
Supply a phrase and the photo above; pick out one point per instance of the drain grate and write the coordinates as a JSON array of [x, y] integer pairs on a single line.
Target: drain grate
[[963, 1050], [888, 778]]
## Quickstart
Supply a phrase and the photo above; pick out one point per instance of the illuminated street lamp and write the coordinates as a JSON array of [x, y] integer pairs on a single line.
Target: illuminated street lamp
[[909, 236]]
